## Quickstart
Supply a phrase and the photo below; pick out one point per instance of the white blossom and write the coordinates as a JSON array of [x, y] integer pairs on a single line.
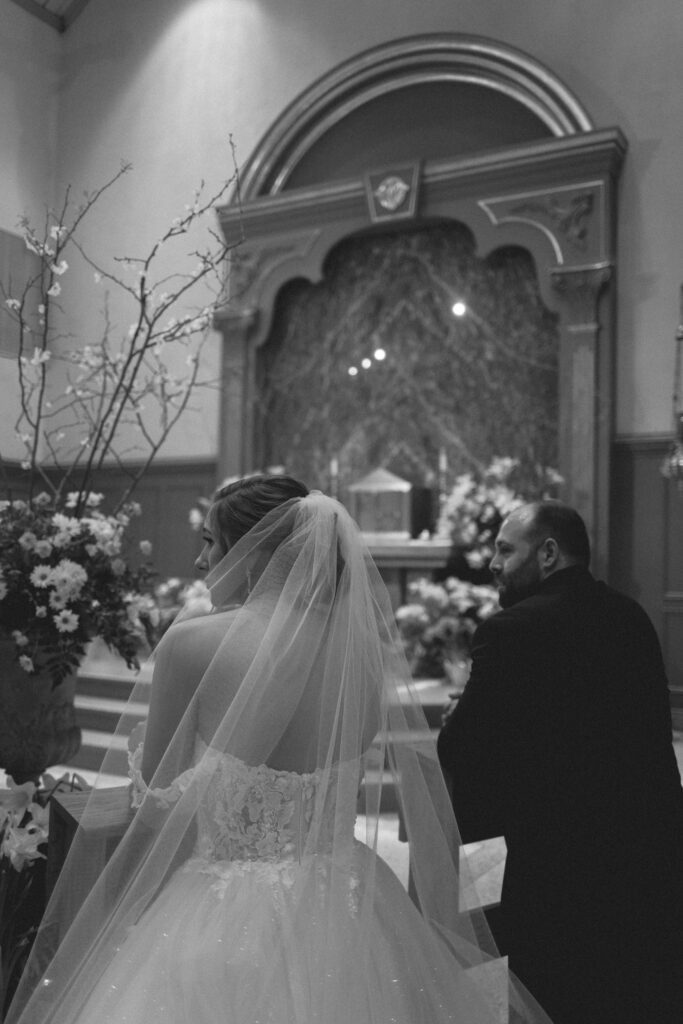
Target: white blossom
[[40, 356], [66, 621], [68, 578], [66, 524], [28, 540], [26, 663], [20, 845]]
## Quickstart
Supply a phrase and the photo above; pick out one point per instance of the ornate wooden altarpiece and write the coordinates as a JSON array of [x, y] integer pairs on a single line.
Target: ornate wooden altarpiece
[[556, 197]]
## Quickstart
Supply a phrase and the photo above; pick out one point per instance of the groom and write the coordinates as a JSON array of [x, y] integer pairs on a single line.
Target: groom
[[561, 743]]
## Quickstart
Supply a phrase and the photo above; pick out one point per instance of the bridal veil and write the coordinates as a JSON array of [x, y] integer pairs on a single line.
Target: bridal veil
[[297, 668]]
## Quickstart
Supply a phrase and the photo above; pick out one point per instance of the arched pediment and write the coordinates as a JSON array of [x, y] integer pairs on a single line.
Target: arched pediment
[[452, 90]]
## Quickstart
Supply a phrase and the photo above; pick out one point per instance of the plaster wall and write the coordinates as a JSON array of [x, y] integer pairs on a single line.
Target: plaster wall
[[30, 56], [162, 83]]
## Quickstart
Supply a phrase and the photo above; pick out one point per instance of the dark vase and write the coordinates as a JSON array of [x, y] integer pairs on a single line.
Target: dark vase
[[37, 722]]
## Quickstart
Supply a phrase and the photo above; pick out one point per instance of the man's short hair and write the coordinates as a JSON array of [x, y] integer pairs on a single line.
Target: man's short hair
[[564, 524]]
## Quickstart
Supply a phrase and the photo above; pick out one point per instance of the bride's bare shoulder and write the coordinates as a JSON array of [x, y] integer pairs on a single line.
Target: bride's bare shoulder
[[199, 635]]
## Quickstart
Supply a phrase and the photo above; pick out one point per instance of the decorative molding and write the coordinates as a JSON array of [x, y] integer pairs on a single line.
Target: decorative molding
[[390, 197], [512, 174], [568, 211], [401, 64], [656, 443], [477, 192], [249, 263], [580, 288]]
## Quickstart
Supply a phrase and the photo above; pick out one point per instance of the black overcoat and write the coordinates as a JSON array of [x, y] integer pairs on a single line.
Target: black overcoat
[[561, 743]]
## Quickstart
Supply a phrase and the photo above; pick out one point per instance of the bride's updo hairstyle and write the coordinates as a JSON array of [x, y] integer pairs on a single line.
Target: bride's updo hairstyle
[[239, 506]]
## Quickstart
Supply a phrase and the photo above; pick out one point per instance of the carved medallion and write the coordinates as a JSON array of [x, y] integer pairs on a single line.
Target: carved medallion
[[391, 192]]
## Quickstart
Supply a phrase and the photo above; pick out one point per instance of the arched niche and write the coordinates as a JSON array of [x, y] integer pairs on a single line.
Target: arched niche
[[361, 150]]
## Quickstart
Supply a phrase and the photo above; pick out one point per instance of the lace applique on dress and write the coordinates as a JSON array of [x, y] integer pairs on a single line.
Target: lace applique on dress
[[252, 819], [163, 796]]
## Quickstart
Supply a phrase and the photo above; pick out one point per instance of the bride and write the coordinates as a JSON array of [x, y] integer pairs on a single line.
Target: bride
[[240, 892]]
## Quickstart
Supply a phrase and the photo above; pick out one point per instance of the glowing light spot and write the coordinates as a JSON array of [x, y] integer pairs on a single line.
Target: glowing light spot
[[353, 371], [458, 308], [379, 354], [366, 363]]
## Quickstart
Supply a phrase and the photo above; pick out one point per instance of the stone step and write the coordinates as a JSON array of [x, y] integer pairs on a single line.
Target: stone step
[[102, 698], [105, 714], [110, 687], [94, 745]]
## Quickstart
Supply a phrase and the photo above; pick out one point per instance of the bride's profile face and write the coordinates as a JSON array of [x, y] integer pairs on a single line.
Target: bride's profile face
[[214, 548]]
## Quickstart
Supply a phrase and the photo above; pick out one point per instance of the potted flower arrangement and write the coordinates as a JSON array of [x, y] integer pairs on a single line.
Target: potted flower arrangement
[[65, 574], [472, 511], [23, 851], [63, 581], [440, 617], [437, 623]]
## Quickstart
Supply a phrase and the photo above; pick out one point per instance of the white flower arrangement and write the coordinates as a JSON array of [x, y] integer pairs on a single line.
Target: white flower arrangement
[[24, 824], [437, 624], [63, 582], [472, 512]]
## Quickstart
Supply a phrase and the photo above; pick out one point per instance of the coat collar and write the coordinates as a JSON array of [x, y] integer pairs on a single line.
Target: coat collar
[[564, 579]]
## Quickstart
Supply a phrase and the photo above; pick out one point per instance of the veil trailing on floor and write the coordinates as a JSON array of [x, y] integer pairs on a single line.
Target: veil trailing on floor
[[298, 668]]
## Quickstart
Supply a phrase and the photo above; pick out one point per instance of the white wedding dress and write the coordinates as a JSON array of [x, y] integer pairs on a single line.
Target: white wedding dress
[[231, 938], [241, 893]]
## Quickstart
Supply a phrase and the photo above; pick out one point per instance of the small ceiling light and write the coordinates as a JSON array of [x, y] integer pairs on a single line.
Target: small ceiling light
[[366, 363], [458, 308], [379, 354], [353, 371]]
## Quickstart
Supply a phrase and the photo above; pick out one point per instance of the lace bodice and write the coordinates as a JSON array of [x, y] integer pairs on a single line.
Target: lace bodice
[[254, 813]]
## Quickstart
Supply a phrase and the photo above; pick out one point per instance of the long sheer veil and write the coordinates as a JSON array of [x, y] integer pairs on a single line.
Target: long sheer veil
[[297, 667]]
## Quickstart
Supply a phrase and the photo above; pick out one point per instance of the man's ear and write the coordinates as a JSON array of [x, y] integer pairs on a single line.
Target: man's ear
[[549, 554]]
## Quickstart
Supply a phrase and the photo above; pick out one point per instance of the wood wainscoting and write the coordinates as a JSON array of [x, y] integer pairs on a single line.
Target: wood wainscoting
[[167, 493], [646, 545]]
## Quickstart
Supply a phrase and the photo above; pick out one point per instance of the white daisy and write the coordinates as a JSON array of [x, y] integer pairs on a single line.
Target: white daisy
[[66, 621], [40, 577]]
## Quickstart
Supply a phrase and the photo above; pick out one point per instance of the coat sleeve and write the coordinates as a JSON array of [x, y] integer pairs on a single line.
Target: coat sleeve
[[471, 744]]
